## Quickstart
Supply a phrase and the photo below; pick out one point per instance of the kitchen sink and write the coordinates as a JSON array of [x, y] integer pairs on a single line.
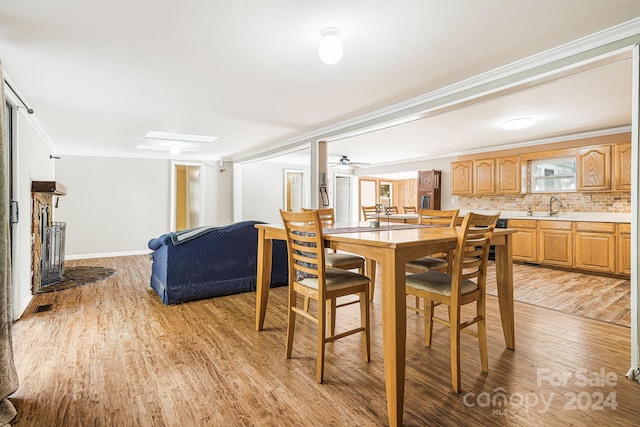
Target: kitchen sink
[[545, 215]]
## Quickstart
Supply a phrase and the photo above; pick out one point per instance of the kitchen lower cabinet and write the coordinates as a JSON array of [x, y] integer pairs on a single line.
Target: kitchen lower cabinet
[[525, 241], [555, 240], [595, 246], [583, 245], [623, 254]]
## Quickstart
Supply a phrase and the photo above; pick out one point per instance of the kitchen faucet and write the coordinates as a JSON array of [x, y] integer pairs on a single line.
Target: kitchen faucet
[[559, 205]]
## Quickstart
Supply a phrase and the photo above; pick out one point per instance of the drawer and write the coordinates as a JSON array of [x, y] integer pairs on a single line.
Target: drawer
[[596, 227], [521, 223], [624, 228], [555, 225]]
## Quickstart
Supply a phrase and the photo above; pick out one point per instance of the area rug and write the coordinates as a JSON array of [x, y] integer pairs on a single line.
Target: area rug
[[78, 276], [587, 295]]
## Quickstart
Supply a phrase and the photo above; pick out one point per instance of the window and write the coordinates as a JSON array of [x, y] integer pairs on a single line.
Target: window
[[385, 193], [553, 175]]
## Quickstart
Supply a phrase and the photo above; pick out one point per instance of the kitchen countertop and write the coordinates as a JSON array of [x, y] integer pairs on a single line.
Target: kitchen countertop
[[562, 216]]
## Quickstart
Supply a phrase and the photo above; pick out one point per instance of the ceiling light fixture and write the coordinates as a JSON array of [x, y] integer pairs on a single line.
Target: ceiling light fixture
[[330, 48], [174, 150], [518, 123]]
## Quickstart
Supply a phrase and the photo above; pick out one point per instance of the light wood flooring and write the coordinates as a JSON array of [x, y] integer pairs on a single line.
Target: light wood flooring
[[594, 296], [110, 354]]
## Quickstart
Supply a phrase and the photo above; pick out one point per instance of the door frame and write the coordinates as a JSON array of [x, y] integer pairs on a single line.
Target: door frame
[[285, 190], [350, 208], [172, 201]]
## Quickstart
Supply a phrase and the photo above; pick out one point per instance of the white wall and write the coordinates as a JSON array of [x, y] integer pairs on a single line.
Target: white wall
[[32, 163], [262, 190], [218, 202], [114, 206]]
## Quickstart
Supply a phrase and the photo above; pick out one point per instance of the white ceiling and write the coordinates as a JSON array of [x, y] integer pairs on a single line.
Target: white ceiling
[[99, 75]]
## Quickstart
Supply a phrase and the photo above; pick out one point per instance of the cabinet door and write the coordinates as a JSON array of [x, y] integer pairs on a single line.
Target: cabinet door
[[594, 168], [525, 243], [405, 192], [556, 247], [595, 251], [428, 180], [622, 167], [623, 254], [508, 176], [483, 179], [461, 178]]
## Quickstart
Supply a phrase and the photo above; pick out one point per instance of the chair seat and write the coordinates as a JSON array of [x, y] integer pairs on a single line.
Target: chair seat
[[336, 278], [438, 282], [335, 259], [428, 263]]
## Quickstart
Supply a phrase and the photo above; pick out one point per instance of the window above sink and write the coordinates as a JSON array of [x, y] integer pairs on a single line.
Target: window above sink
[[553, 175]]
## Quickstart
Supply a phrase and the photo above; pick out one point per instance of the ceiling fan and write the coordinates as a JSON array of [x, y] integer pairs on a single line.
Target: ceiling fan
[[345, 164]]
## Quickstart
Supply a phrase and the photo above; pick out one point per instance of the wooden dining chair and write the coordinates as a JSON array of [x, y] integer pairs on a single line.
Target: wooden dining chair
[[435, 262], [343, 260], [437, 218], [369, 212], [409, 209], [457, 289], [391, 210], [309, 277]]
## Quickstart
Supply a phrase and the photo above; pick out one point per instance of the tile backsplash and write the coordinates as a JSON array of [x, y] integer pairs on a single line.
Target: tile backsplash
[[608, 202]]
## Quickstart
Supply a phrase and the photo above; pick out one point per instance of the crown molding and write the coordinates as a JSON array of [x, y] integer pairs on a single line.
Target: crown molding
[[522, 144], [614, 42]]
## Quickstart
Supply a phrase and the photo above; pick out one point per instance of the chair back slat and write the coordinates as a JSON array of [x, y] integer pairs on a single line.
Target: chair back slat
[[391, 210], [305, 244], [472, 250], [437, 217], [327, 215], [369, 212]]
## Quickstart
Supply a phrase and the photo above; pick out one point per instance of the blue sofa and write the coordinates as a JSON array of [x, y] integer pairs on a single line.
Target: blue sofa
[[208, 262]]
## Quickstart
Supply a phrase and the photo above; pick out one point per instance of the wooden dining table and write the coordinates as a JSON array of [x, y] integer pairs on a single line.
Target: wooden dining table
[[392, 246]]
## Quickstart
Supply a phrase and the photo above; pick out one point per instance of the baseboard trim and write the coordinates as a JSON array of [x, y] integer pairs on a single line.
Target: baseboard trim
[[22, 307], [105, 255]]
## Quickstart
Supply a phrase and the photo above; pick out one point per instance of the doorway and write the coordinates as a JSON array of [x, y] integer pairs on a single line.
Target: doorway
[[342, 198], [293, 190], [368, 193], [187, 196]]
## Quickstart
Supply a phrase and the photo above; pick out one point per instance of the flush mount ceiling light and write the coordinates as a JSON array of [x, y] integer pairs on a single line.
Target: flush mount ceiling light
[[330, 48], [518, 123], [180, 136]]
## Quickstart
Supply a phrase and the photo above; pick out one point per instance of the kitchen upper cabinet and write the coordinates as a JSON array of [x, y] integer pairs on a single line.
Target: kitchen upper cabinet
[[623, 253], [622, 167], [525, 241], [508, 175], [484, 176], [595, 246], [594, 168], [556, 243], [462, 178]]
